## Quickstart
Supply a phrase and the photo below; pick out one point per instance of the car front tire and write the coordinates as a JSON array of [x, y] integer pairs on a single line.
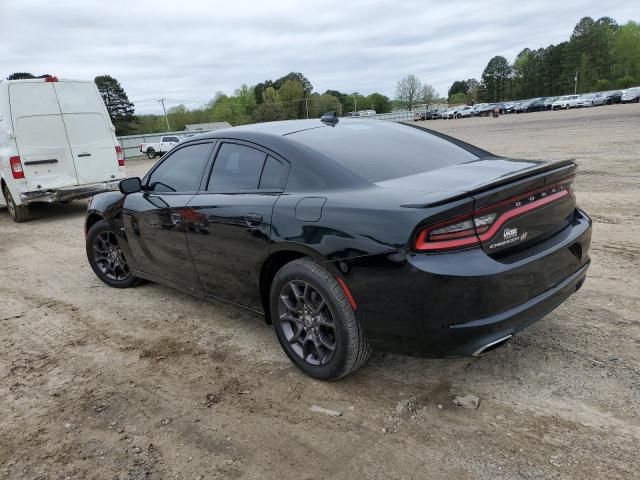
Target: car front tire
[[106, 257], [315, 323]]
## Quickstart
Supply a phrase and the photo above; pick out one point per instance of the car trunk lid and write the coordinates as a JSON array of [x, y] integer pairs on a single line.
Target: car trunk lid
[[524, 212], [515, 204]]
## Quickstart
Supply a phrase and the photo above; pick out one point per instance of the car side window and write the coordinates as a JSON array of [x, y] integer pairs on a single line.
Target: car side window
[[274, 175], [236, 168], [181, 171]]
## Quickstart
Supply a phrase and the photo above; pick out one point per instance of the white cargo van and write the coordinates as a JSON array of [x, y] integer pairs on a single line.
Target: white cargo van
[[57, 143]]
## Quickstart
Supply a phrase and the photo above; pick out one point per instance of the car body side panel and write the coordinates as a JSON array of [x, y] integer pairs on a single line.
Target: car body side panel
[[228, 238], [156, 236]]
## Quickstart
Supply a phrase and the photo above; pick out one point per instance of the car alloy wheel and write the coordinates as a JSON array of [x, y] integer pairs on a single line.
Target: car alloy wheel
[[108, 257], [307, 322]]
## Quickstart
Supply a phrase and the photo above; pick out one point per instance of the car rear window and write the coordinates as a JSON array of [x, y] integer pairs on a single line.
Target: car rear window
[[379, 151]]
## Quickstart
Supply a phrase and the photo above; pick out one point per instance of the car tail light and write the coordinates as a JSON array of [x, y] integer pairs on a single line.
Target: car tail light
[[120, 155], [51, 79], [471, 229], [16, 168], [455, 233]]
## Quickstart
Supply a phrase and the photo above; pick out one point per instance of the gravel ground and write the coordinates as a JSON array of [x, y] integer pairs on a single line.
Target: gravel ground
[[152, 383]]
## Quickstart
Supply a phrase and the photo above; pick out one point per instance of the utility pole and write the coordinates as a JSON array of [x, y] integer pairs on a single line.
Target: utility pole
[[165, 114], [306, 106], [355, 103], [575, 83]]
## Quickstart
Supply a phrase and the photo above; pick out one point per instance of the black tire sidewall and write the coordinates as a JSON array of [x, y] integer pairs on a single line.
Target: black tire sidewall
[[151, 154], [20, 212], [94, 231], [335, 368]]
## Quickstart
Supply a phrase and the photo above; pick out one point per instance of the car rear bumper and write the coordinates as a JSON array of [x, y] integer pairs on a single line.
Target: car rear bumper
[[454, 304], [68, 193], [477, 336]]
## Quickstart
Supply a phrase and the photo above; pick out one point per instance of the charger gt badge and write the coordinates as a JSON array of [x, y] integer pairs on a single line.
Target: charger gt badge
[[510, 235]]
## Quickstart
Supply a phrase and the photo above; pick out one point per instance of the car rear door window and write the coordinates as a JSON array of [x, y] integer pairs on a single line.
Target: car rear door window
[[236, 168], [182, 170], [274, 174]]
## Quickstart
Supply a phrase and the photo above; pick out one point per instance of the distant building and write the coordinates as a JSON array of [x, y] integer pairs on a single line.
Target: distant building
[[206, 127]]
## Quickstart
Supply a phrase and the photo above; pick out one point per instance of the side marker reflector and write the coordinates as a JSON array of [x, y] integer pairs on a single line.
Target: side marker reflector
[[347, 293]]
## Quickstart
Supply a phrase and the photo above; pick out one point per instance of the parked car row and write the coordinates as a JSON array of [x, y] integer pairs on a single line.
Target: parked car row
[[361, 113], [564, 102]]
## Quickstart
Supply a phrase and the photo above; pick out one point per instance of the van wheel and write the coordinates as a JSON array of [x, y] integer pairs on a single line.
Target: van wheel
[[151, 153], [19, 213]]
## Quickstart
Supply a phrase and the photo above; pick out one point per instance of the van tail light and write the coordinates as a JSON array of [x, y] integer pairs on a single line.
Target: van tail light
[[50, 79], [120, 155], [16, 168], [472, 229]]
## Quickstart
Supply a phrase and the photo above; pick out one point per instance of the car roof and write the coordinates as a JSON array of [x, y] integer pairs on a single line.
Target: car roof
[[284, 127]]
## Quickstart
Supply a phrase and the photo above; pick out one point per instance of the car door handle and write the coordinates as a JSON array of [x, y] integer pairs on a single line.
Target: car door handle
[[253, 219], [84, 155]]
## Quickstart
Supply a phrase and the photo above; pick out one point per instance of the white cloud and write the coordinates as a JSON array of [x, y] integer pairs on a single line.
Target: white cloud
[[190, 50]]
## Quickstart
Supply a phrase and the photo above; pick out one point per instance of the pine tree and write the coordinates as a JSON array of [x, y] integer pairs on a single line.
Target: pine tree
[[118, 105]]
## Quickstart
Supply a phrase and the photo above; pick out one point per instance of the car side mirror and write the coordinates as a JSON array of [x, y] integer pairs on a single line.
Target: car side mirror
[[130, 185]]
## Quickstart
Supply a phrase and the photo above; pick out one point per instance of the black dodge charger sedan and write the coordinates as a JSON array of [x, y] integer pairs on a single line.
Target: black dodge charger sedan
[[350, 235]]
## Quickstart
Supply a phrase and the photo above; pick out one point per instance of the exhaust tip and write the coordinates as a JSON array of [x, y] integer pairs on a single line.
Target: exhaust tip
[[492, 346]]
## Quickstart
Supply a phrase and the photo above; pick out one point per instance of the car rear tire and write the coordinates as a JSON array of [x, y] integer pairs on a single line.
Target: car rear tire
[[106, 258], [19, 213], [314, 321], [151, 153]]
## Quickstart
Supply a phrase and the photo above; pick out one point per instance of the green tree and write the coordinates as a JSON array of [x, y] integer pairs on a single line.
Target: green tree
[[355, 102], [378, 102], [120, 109], [258, 90], [626, 54], [271, 108], [459, 86], [296, 77], [408, 91], [21, 76], [457, 99], [321, 104], [179, 116], [495, 79], [590, 51], [246, 98], [292, 95]]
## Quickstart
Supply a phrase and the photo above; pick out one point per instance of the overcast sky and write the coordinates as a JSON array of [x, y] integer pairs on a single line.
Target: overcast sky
[[188, 50]]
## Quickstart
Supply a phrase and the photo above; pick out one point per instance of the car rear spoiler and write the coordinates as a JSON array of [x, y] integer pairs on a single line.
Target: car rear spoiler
[[563, 168]]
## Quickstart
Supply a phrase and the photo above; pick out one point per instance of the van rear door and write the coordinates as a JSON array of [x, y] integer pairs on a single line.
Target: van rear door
[[89, 130], [41, 137]]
